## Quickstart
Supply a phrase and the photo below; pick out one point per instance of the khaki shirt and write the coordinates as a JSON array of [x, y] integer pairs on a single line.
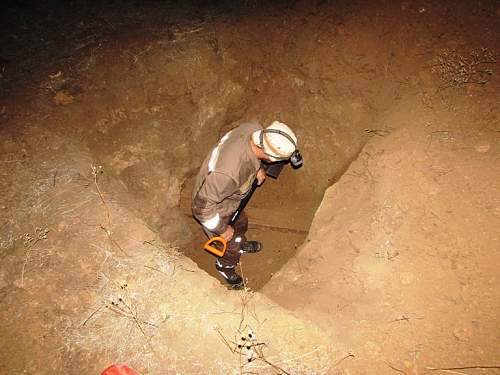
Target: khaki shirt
[[225, 177]]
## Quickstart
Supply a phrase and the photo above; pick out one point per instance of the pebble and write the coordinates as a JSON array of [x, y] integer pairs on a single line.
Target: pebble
[[373, 348], [406, 278], [483, 148], [462, 334], [3, 282]]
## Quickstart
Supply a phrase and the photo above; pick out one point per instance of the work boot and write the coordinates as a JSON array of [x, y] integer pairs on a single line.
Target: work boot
[[235, 282], [251, 247], [229, 274]]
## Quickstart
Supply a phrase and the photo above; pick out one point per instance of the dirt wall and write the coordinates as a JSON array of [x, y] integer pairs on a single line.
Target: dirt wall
[[84, 284], [401, 260]]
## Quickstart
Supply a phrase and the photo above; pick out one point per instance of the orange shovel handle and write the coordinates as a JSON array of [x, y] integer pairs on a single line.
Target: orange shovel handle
[[209, 246]]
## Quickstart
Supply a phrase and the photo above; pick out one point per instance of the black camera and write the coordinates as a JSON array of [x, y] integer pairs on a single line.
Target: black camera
[[296, 159], [273, 169]]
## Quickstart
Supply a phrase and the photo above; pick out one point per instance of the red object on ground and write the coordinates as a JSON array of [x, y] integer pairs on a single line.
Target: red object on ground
[[119, 370]]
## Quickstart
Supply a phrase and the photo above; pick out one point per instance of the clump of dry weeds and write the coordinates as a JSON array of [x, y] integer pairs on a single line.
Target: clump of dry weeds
[[250, 344], [455, 69], [127, 314]]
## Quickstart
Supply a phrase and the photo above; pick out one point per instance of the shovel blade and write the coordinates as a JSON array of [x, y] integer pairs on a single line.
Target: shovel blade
[[216, 245]]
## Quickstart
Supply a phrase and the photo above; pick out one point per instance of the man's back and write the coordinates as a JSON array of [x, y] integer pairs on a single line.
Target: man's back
[[227, 172]]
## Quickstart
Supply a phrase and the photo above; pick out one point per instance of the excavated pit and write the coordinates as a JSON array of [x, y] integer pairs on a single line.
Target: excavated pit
[[189, 82], [186, 84], [279, 216]]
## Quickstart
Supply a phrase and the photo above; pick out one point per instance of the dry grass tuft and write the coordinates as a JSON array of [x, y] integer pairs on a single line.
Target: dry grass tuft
[[128, 312], [455, 69]]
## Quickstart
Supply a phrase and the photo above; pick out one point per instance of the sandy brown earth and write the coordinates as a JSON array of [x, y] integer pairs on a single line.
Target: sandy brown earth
[[402, 257], [106, 112]]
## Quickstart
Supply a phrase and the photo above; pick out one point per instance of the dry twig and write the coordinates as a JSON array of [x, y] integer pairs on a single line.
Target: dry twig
[[349, 355], [479, 367], [96, 171], [394, 368], [29, 242], [92, 315]]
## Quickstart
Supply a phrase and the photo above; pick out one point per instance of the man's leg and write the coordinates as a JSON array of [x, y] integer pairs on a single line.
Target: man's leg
[[226, 265]]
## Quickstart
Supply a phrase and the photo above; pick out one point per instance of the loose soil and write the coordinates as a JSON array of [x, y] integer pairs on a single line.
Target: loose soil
[[106, 113]]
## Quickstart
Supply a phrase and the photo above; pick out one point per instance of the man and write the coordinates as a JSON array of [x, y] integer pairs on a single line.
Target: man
[[226, 176]]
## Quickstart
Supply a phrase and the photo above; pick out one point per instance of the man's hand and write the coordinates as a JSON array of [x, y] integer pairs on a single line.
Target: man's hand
[[261, 176], [228, 233]]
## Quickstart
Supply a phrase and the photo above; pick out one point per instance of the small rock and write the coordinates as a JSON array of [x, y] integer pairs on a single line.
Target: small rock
[[483, 148], [462, 334], [63, 98], [406, 278], [3, 282], [298, 82], [372, 348]]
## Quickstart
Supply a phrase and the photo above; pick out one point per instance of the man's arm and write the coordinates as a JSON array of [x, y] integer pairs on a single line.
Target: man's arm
[[215, 189], [261, 176]]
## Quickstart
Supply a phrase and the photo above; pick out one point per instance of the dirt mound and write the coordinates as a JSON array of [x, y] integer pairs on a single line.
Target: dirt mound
[[402, 257], [85, 284]]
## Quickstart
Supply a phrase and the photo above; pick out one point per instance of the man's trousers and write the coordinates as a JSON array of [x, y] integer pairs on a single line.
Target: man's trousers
[[226, 264]]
